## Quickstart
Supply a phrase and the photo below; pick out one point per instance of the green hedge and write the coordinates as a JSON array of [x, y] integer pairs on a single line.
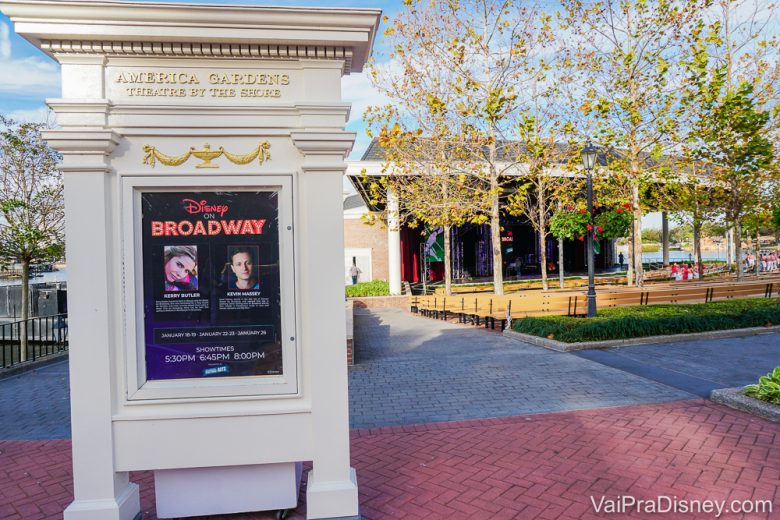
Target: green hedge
[[653, 320], [375, 288]]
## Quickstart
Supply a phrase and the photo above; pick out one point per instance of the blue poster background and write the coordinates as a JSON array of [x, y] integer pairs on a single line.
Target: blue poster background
[[211, 284]]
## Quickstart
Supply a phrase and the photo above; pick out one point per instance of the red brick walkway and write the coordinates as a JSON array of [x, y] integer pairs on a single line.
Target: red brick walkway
[[541, 466]]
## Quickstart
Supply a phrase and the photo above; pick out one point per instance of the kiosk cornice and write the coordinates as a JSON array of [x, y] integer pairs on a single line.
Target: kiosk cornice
[[235, 30], [83, 150], [318, 143], [86, 141]]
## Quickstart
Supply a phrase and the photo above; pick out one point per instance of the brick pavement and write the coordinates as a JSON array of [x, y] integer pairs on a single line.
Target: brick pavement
[[543, 466], [413, 370]]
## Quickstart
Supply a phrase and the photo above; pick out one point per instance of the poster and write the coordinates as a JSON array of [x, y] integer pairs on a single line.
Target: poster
[[434, 245], [211, 284]]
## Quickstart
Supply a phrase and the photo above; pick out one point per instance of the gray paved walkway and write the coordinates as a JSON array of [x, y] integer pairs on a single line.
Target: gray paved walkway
[[722, 363], [417, 370], [36, 404]]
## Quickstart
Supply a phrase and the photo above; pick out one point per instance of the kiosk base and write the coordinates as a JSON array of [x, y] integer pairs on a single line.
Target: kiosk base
[[332, 499], [127, 506], [224, 490]]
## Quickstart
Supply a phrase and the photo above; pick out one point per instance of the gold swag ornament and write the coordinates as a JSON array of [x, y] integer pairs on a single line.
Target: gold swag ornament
[[206, 154]]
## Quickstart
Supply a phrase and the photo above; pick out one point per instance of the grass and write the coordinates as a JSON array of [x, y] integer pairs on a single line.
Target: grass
[[653, 320], [375, 288]]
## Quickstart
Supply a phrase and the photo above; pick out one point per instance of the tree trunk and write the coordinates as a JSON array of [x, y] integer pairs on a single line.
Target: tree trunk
[[758, 252], [665, 238], [630, 258], [495, 240], [543, 241], [447, 261], [25, 310], [729, 246], [639, 274], [738, 249], [560, 262], [697, 247]]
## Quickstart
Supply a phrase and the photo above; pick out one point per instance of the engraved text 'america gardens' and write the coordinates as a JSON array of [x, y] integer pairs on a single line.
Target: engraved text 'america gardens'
[[201, 85]]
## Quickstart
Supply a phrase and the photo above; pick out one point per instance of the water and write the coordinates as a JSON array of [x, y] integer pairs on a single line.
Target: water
[[683, 256], [53, 276]]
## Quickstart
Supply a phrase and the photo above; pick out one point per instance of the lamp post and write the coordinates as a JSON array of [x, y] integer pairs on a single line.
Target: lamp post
[[589, 161]]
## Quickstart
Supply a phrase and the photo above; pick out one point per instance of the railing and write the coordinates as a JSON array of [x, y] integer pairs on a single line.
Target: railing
[[35, 338]]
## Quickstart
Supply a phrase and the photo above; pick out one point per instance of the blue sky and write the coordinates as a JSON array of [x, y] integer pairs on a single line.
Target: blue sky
[[29, 76]]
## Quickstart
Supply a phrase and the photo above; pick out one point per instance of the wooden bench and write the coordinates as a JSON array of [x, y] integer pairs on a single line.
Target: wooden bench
[[487, 309]]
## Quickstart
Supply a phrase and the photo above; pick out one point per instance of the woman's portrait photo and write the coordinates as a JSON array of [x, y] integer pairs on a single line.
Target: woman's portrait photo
[[242, 261], [181, 268]]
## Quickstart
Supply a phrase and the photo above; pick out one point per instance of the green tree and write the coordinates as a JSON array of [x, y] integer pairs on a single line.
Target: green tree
[[481, 55], [651, 235], [713, 230], [690, 192], [428, 193], [734, 143], [730, 59], [624, 56], [31, 202], [682, 234]]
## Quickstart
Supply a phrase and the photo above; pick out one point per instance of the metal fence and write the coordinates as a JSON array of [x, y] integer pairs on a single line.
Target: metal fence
[[36, 338], [45, 299]]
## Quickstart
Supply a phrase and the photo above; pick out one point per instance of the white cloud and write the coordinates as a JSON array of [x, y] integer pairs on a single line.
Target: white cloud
[[29, 77], [5, 42], [41, 114]]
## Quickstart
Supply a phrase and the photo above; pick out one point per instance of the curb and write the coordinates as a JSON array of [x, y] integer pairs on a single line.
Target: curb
[[21, 368], [734, 398], [560, 346]]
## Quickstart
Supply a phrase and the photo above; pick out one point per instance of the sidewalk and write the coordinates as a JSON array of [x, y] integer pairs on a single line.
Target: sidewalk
[[543, 466], [452, 422]]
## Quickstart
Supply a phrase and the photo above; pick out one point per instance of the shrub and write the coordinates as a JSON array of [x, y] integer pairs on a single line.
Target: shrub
[[767, 389], [575, 223], [653, 320], [570, 224], [614, 223], [375, 288]]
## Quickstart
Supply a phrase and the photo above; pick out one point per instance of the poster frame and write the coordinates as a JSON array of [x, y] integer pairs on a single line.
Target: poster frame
[[137, 387]]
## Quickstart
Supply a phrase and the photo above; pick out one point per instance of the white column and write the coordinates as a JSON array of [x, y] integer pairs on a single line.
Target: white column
[[393, 243], [100, 492], [332, 490], [665, 237], [730, 245]]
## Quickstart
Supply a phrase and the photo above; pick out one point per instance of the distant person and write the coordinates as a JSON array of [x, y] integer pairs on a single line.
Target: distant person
[[181, 268], [354, 272], [621, 260], [518, 266], [242, 265]]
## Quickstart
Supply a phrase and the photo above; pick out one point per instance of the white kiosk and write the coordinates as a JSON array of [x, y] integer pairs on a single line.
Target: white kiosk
[[203, 149]]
